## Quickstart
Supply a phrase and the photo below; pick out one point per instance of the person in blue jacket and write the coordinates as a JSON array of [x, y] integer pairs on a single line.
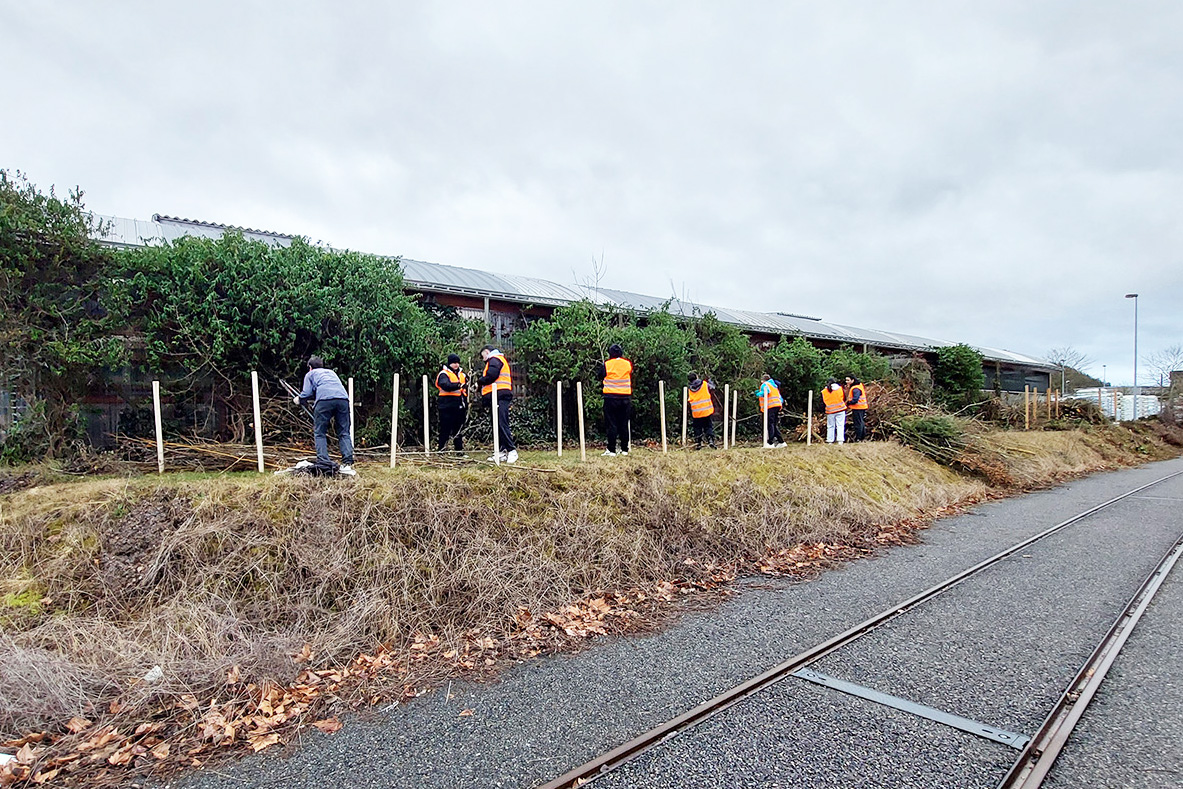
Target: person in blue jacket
[[331, 404]]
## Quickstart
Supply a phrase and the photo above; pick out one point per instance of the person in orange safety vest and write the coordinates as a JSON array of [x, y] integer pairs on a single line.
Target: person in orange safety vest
[[701, 408], [769, 400], [497, 375], [856, 404], [835, 402], [617, 375], [453, 403]]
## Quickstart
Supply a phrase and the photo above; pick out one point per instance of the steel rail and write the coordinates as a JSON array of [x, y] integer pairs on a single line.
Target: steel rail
[[1036, 759], [627, 751]]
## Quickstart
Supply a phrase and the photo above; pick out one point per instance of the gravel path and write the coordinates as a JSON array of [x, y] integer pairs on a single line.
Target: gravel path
[[1131, 736], [999, 648], [547, 716]]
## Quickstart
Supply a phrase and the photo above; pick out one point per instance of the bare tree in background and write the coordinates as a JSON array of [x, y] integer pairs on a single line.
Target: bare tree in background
[[1074, 363], [1160, 365], [1069, 357]]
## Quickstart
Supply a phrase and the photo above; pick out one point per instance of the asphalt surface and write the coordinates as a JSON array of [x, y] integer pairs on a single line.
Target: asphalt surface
[[999, 648]]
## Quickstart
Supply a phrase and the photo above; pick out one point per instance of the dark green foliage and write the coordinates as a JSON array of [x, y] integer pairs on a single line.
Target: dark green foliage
[[230, 305], [915, 379], [958, 376], [864, 366], [939, 437], [800, 367], [569, 346], [217, 309], [54, 327]]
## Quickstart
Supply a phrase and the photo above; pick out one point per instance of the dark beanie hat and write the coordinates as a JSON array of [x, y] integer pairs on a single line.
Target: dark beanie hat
[[453, 359], [614, 351]]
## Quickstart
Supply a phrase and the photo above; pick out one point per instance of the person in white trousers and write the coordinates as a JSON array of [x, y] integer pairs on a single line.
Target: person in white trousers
[[835, 402]]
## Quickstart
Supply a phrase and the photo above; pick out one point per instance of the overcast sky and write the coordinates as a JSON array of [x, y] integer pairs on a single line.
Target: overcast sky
[[998, 173]]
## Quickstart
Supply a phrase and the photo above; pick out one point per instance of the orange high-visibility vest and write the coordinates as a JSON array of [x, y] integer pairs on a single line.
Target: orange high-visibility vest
[[835, 401], [503, 380], [700, 401], [456, 378], [862, 401], [619, 380], [769, 396]]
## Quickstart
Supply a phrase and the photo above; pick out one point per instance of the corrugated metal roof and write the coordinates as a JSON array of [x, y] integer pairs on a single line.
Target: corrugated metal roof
[[531, 290]]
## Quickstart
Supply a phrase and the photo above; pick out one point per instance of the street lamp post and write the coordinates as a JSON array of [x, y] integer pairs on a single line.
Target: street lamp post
[[1134, 296], [1062, 363]]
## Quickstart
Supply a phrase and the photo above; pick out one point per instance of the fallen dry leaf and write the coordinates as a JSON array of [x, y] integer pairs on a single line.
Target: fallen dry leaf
[[466, 713], [46, 776], [78, 725], [263, 743], [329, 725]]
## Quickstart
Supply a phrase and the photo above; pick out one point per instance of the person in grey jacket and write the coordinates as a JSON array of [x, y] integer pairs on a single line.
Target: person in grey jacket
[[324, 388]]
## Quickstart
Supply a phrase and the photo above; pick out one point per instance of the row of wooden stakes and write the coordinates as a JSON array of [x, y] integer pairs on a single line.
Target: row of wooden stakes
[[730, 421]]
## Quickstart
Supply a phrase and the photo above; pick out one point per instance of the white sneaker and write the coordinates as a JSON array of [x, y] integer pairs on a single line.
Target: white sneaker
[[493, 458], [347, 471], [608, 453], [512, 457], [622, 452]]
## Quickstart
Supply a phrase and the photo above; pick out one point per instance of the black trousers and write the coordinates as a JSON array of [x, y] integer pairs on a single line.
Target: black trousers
[[451, 421], [617, 411], [773, 426], [704, 426], [505, 437], [858, 420]]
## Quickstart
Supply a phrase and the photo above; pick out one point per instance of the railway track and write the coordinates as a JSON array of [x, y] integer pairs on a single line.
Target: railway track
[[1037, 752]]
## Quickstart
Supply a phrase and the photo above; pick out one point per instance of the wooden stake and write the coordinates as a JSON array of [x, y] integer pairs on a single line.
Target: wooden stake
[[685, 402], [394, 422], [734, 414], [809, 419], [426, 421], [258, 418], [559, 415], [726, 404], [764, 405], [1026, 407], [579, 405], [661, 396], [496, 430], [159, 428], [351, 419]]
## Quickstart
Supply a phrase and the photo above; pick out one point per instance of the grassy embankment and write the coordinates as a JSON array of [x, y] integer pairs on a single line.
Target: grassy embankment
[[242, 587]]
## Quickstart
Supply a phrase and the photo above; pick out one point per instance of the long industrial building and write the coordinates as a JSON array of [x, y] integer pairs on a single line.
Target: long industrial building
[[506, 301]]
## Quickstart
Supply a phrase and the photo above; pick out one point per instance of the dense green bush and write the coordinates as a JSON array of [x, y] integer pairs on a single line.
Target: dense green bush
[[958, 376], [55, 334]]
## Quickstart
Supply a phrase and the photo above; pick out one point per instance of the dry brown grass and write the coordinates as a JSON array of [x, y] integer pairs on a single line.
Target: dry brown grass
[[200, 573]]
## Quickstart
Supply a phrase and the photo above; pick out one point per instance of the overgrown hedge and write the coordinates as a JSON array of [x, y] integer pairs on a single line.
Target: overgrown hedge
[[201, 313]]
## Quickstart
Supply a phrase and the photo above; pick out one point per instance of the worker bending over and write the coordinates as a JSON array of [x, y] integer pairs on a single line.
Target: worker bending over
[[770, 404], [835, 401], [497, 376], [617, 375], [453, 403], [331, 404], [698, 396]]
